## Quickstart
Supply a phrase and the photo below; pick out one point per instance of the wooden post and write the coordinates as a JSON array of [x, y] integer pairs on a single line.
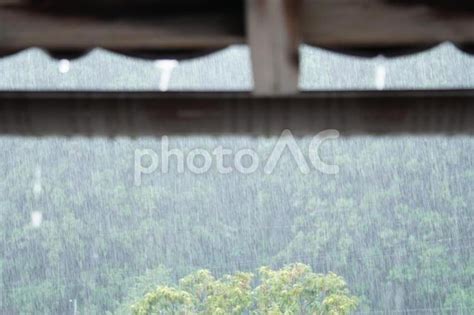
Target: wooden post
[[273, 34]]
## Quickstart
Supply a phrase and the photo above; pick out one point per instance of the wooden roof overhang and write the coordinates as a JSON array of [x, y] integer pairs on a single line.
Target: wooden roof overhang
[[273, 29]]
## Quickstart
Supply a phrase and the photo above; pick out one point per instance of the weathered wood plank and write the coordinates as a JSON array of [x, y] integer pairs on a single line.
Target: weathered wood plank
[[273, 34], [137, 114]]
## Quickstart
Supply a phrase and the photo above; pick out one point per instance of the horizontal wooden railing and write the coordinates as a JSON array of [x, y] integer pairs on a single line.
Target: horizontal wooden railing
[[136, 114]]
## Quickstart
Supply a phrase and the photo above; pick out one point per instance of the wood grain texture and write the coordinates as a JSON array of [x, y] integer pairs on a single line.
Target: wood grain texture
[[155, 114]]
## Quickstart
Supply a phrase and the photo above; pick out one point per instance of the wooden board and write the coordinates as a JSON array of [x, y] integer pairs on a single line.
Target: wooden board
[[382, 23], [23, 27], [328, 23], [138, 114]]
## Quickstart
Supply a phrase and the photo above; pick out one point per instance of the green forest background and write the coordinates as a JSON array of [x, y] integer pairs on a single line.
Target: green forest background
[[396, 222]]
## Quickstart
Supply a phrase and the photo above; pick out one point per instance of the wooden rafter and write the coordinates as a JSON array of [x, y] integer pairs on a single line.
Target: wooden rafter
[[273, 31]]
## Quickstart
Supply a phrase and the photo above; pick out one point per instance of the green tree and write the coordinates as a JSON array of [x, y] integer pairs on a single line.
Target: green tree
[[294, 289]]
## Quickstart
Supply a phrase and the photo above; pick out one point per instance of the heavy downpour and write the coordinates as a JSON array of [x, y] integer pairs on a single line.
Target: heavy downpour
[[391, 232], [79, 237]]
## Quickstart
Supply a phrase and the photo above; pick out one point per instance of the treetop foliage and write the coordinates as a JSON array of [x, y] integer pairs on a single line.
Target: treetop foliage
[[294, 289]]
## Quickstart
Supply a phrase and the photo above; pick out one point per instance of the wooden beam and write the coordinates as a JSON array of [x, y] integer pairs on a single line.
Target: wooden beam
[[386, 23], [142, 114], [23, 26], [274, 37], [330, 23], [343, 24]]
